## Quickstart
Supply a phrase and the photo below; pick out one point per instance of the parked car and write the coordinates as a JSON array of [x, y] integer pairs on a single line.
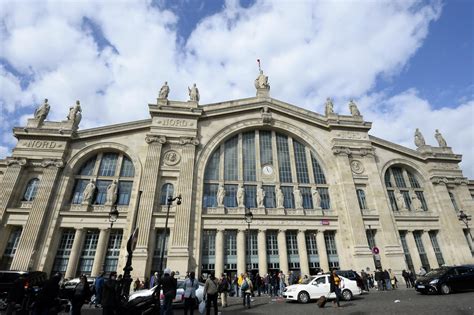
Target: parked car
[[445, 280], [351, 275], [319, 286], [33, 281], [66, 290]]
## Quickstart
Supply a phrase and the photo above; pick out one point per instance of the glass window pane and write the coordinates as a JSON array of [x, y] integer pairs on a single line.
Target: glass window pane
[[361, 199], [64, 250], [301, 164], [436, 248], [283, 158], [101, 196], [231, 159], [108, 164], [157, 252], [265, 147], [210, 195], [307, 198], [420, 196], [250, 196], [288, 201], [398, 175], [230, 199], [248, 155], [408, 260], [31, 190], [88, 252], [127, 168], [388, 183], [88, 167], [453, 201], [212, 168], [167, 191], [325, 202], [269, 200], [318, 172], [406, 197], [78, 190], [124, 192], [421, 250], [413, 181]]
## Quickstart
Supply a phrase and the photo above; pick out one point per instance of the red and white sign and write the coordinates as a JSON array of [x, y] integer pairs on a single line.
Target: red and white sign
[[325, 222], [375, 250]]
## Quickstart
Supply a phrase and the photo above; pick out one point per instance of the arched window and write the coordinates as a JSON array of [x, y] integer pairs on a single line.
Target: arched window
[[271, 159], [404, 189], [167, 191], [104, 168], [31, 190]]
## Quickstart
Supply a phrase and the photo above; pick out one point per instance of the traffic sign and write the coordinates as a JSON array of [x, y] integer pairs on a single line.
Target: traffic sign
[[375, 250]]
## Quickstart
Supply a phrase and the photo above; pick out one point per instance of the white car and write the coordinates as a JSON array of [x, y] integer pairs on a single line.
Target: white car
[[318, 286]]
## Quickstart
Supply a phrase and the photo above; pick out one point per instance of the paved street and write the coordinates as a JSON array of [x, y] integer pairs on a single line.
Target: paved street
[[372, 303]]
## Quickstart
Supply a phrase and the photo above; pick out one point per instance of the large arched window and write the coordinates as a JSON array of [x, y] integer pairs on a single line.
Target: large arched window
[[404, 190], [31, 190], [270, 159], [167, 191], [104, 168]]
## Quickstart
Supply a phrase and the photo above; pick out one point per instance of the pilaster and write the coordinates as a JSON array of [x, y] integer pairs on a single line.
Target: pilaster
[[75, 253], [415, 255], [9, 183], [241, 267], [219, 263], [425, 237], [100, 252], [304, 264], [282, 250], [262, 252], [322, 252]]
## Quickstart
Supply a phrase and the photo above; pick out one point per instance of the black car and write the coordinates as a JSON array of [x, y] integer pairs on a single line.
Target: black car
[[445, 280], [33, 281], [351, 275]]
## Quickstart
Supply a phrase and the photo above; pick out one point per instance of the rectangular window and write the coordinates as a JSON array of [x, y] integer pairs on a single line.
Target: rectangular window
[[252, 243], [331, 249], [127, 168], [272, 243], [413, 182], [361, 199], [124, 192], [406, 251], [393, 201], [88, 252], [155, 266], [388, 182], [453, 201], [307, 198], [230, 199], [421, 250], [318, 172], [436, 248], [250, 196], [311, 244], [398, 175], [209, 198], [10, 250], [231, 159], [288, 201], [325, 202], [230, 243], [291, 243], [64, 250], [269, 199], [248, 155], [79, 187], [212, 168], [108, 164], [284, 166], [407, 199], [209, 243], [370, 238], [113, 251], [101, 195], [420, 196], [265, 147], [301, 164]]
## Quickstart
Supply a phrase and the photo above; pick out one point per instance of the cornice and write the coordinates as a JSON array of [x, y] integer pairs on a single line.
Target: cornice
[[444, 180]]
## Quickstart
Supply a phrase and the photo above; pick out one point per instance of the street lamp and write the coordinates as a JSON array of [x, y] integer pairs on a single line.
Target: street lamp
[[465, 219], [169, 202], [248, 218], [113, 216]]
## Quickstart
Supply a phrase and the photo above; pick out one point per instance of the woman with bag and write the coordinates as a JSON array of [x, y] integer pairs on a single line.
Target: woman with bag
[[247, 288], [190, 287], [336, 283], [210, 294]]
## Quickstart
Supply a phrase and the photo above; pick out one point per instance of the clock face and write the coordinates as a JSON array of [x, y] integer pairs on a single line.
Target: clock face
[[267, 170]]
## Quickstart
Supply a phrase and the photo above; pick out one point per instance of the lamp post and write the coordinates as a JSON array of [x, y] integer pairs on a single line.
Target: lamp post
[[465, 219], [248, 218], [113, 216], [169, 202]]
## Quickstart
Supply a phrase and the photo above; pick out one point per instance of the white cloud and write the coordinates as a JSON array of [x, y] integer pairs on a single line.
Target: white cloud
[[309, 50]]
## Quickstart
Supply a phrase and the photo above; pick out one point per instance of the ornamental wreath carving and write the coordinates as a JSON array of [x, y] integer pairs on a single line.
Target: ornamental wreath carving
[[171, 157], [357, 167], [159, 139]]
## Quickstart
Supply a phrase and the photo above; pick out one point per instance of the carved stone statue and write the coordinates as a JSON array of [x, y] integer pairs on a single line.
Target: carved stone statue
[[279, 197], [193, 93], [266, 115], [261, 82], [419, 139], [240, 196], [260, 196], [298, 198], [75, 115], [88, 192], [112, 193], [316, 198], [164, 91], [440, 139], [329, 107], [400, 200], [353, 108], [42, 112], [220, 196], [416, 202]]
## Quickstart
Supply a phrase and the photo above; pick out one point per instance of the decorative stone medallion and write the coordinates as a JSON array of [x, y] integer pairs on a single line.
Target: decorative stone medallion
[[357, 167], [171, 157]]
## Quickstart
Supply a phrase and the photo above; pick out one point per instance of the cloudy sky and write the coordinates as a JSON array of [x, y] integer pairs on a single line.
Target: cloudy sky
[[408, 64]]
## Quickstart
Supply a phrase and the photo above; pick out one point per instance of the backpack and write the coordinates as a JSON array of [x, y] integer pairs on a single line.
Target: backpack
[[245, 286]]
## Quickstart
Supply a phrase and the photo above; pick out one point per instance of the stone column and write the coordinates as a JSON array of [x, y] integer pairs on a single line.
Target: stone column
[[75, 253], [241, 256], [323, 255], [100, 252], [9, 183], [262, 252], [304, 264], [149, 188], [282, 250], [25, 256], [219, 267], [425, 237], [414, 254]]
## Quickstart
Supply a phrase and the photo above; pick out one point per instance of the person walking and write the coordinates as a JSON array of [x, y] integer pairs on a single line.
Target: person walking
[[210, 294], [365, 285], [259, 284], [282, 282], [154, 280], [47, 301], [16, 294], [99, 283], [81, 294], [169, 287], [386, 278], [247, 288], [335, 283], [223, 289], [393, 279], [274, 284], [110, 295], [190, 287], [379, 280], [406, 277], [235, 284], [411, 276]]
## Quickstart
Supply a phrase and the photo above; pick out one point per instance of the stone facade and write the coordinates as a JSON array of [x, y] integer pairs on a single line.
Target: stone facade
[[48, 227]]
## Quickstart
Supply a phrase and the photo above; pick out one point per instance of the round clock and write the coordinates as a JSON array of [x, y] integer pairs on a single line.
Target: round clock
[[267, 170]]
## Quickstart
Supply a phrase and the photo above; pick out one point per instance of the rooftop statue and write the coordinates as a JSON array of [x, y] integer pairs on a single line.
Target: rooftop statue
[[440, 139], [194, 93], [329, 107], [164, 91], [261, 82], [353, 108], [419, 139], [42, 112]]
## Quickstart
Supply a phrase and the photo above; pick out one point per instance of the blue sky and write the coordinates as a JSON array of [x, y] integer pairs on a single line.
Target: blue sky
[[408, 64]]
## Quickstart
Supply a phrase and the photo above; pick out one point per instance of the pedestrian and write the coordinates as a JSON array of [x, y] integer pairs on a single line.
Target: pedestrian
[[169, 287], [259, 284], [275, 282], [393, 279], [281, 282], [365, 285], [136, 285], [81, 295], [336, 283], [422, 271], [406, 277], [154, 280], [190, 287], [235, 283], [210, 293], [110, 295], [247, 288], [411, 275], [266, 283], [99, 283], [47, 301], [379, 280], [386, 278], [223, 289], [16, 294]]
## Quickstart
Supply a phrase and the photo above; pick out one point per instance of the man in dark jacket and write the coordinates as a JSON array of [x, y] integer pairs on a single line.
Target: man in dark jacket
[[169, 287], [406, 277], [379, 279], [47, 298], [110, 295], [16, 294]]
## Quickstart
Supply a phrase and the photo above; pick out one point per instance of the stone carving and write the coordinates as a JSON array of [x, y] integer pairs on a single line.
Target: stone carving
[[240, 196], [159, 139], [279, 196], [75, 115], [316, 198], [416, 202], [111, 193], [56, 163], [261, 82], [187, 140], [357, 167], [341, 150], [171, 157], [353, 108], [164, 91], [419, 139], [329, 107], [193, 93], [220, 195], [42, 112], [298, 198], [88, 192], [260, 196], [439, 137], [266, 115], [17, 161], [400, 200]]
